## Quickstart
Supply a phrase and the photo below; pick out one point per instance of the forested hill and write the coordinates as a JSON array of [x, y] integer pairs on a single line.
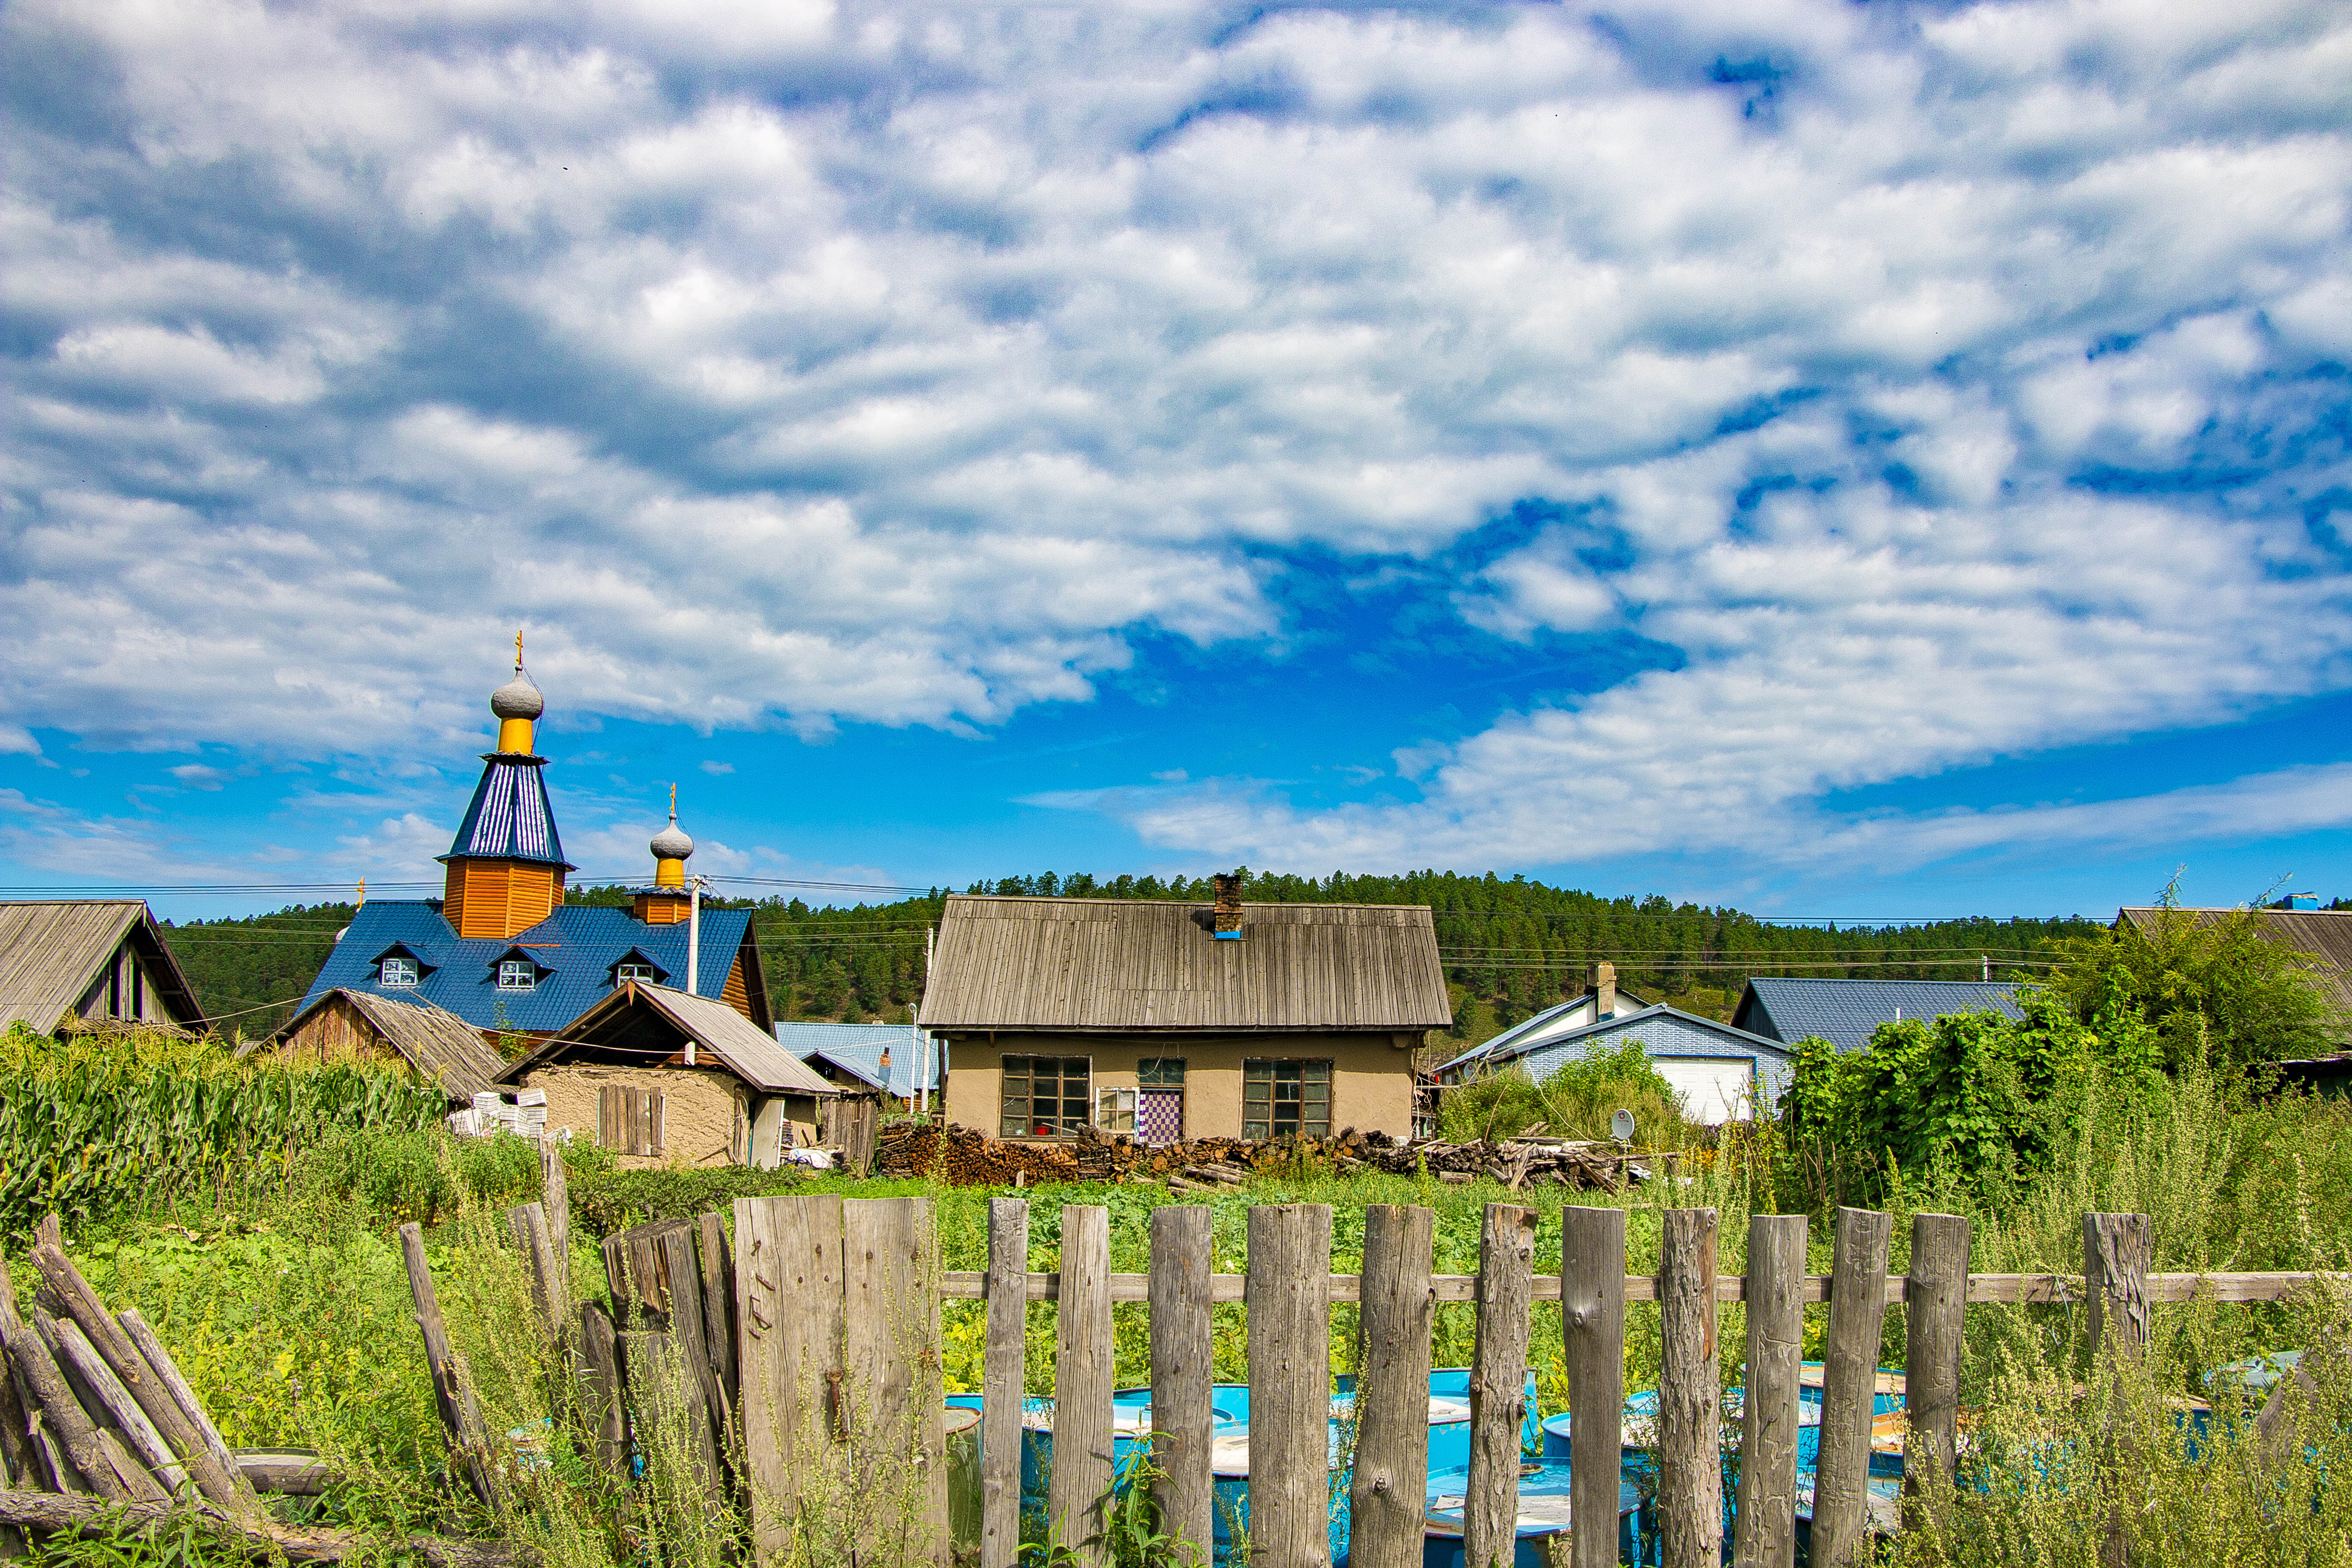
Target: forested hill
[[1510, 945]]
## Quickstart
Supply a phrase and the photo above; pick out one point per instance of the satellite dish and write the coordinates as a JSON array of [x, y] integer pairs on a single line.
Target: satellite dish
[[1621, 1127]]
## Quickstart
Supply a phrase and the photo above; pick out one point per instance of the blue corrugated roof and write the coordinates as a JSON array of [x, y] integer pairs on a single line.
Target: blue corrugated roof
[[1524, 1034], [509, 818], [575, 948], [856, 1049], [1844, 1012], [1666, 1034]]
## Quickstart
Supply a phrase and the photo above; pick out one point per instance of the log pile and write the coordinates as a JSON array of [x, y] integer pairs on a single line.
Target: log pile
[[965, 1156]]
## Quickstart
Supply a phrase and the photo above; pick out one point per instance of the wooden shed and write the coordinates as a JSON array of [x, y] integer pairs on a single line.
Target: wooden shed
[[1179, 1020], [2323, 934], [71, 963], [662, 1077], [356, 1025]]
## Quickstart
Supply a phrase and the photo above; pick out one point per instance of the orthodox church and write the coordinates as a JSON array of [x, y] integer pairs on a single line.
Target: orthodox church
[[502, 951]]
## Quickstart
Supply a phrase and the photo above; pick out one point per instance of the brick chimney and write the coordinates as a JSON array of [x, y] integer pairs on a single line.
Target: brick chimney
[[1604, 987], [1225, 919]]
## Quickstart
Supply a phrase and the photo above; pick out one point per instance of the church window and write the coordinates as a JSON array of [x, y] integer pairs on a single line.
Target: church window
[[398, 971], [516, 974]]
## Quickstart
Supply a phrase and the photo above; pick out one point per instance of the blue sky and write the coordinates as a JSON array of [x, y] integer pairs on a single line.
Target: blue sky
[[1843, 460]]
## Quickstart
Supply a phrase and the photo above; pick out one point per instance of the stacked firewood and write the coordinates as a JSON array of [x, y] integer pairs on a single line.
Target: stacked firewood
[[964, 1156]]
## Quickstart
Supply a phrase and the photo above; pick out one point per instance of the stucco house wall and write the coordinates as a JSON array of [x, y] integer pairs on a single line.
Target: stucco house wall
[[1372, 1075], [705, 1114]]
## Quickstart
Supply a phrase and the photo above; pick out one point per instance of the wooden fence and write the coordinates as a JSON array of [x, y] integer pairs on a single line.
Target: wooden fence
[[812, 1352]]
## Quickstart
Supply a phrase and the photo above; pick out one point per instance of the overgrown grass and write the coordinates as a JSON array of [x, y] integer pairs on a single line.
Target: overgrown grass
[[1576, 1101]]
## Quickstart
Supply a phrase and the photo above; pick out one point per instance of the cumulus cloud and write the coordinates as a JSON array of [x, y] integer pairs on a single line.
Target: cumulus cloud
[[1937, 382]]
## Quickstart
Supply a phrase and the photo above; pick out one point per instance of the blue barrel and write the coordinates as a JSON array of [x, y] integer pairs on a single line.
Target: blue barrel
[[1543, 1518]]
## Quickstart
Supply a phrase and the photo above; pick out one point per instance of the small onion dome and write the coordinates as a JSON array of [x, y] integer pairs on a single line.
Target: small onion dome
[[672, 842], [518, 698]]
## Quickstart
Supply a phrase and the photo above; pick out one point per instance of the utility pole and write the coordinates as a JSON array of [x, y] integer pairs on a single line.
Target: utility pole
[[693, 949], [923, 1073]]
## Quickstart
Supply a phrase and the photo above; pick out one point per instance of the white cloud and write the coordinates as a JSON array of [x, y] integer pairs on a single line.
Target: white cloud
[[793, 364]]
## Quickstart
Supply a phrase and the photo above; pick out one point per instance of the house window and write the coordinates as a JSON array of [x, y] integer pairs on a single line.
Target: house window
[[398, 971], [629, 1120], [516, 974], [644, 971], [1285, 1097], [1161, 1072], [1115, 1109], [1044, 1096]]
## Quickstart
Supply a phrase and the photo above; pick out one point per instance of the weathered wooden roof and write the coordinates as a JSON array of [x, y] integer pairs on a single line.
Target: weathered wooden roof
[[2325, 934], [435, 1041], [1112, 963], [52, 951], [617, 1024]]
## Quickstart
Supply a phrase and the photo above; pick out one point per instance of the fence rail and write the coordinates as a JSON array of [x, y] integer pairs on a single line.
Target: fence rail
[[971, 1284]]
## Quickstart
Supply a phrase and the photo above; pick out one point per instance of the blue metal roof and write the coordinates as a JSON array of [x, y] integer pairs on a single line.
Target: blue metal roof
[[575, 950], [509, 818], [1666, 1032], [857, 1049], [1520, 1036], [1844, 1012]]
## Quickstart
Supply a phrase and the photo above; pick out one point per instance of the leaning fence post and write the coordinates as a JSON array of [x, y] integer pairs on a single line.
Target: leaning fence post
[[1593, 1342], [1934, 1300], [1498, 1386], [1764, 1525], [1289, 1298], [1690, 1408], [1003, 1378], [2118, 1250], [1850, 1385], [452, 1389], [1386, 1502], [1182, 1411], [1078, 1499]]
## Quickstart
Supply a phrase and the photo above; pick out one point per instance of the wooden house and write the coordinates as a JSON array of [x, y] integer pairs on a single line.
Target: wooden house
[[1172, 1020], [83, 963], [662, 1077], [355, 1025]]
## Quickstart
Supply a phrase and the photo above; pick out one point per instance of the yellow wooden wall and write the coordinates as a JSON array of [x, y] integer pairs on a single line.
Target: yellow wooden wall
[[498, 899]]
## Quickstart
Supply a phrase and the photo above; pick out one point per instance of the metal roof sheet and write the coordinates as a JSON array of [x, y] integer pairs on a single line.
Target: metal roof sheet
[[1844, 1012], [575, 948], [1529, 1031], [744, 1048], [1110, 963], [857, 1049], [1663, 1029], [509, 818]]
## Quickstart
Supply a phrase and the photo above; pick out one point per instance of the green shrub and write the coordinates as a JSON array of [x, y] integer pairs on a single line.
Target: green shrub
[[1576, 1101], [607, 1199], [418, 1173]]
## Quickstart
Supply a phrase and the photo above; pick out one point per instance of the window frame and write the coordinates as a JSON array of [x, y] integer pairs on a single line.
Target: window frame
[[625, 971], [413, 977], [1164, 1077], [1110, 1115], [516, 967], [1017, 1115], [1264, 1079]]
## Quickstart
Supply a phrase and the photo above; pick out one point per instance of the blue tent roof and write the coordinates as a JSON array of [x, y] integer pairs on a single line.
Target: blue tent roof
[[575, 950], [509, 818], [1844, 1012], [857, 1049]]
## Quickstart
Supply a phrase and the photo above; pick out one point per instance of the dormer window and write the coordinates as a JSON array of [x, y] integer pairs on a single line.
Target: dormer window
[[516, 974], [638, 971], [397, 970]]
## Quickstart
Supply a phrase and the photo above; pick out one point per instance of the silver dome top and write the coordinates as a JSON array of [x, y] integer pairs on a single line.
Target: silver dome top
[[672, 842], [518, 698]]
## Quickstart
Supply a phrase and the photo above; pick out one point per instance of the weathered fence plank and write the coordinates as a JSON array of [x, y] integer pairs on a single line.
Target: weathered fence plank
[[702, 1411], [1849, 1388], [1932, 1312], [1078, 1496], [890, 1268], [147, 1444], [604, 1403], [1592, 1336], [788, 1294], [2118, 1250], [1498, 1376], [555, 1201], [1182, 1411], [1290, 1384], [191, 1408], [1690, 1409], [1764, 1525], [1004, 1377], [1387, 1499], [718, 1333], [468, 1448], [527, 1226]]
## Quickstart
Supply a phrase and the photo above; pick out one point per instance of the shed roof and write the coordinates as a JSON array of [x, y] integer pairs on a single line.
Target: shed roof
[[435, 1041], [1545, 1025], [1112, 963], [857, 1049], [1844, 1012], [2325, 934], [52, 951], [1663, 1030], [741, 1046]]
